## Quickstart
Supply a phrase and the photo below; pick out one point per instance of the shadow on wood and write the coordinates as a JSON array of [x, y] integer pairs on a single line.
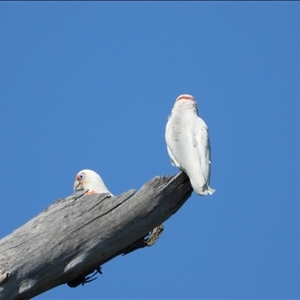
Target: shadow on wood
[[76, 235]]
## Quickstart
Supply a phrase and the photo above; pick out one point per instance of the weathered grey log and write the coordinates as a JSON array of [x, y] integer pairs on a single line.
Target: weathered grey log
[[78, 234]]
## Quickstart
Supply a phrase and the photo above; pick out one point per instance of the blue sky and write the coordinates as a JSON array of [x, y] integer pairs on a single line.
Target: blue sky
[[91, 84]]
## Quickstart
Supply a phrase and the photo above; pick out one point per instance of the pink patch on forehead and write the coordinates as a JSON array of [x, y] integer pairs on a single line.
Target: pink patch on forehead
[[185, 97]]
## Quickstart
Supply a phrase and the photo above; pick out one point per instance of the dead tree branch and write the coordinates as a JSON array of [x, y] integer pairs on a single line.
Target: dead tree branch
[[73, 237]]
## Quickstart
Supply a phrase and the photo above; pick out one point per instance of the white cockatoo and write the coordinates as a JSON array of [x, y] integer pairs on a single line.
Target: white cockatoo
[[188, 143], [91, 181]]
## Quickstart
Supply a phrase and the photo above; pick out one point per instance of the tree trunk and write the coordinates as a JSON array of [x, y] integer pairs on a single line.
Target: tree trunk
[[76, 235]]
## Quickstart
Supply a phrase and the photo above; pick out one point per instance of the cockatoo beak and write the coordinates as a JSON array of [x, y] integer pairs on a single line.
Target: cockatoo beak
[[77, 186]]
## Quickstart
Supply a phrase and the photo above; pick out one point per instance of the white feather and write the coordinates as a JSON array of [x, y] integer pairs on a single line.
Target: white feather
[[188, 143]]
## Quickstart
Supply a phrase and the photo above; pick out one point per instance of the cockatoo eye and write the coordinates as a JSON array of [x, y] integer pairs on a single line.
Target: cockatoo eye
[[80, 176]]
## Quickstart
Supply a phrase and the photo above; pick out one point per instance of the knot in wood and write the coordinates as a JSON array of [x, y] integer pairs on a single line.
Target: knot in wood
[[3, 275]]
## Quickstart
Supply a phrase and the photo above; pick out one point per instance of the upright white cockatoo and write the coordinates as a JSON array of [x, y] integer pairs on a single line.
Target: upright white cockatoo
[[91, 181], [188, 143]]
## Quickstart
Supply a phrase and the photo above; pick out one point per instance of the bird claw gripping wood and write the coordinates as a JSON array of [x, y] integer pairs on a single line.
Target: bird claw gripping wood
[[3, 275], [154, 235], [84, 278], [90, 278], [145, 241]]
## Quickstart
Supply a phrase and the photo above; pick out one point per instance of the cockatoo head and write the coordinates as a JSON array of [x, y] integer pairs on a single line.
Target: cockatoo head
[[186, 101], [185, 97], [91, 181]]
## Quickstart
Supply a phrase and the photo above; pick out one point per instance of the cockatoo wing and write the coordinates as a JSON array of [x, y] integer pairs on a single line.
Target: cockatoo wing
[[201, 144], [173, 159]]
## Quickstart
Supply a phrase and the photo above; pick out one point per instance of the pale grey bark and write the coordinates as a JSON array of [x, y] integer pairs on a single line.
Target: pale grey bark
[[76, 235]]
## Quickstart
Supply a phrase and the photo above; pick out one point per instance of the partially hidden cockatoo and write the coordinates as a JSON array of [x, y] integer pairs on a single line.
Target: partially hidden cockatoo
[[188, 143], [91, 181]]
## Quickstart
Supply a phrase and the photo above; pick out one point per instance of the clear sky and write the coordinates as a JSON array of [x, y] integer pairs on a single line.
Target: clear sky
[[91, 85]]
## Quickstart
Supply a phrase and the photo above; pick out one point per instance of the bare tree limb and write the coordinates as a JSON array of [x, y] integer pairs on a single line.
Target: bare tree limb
[[76, 235]]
